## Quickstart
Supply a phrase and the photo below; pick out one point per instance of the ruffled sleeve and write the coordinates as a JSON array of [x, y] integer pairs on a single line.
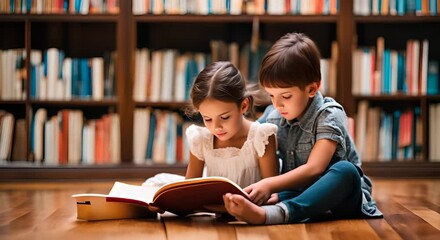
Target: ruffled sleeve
[[196, 136], [261, 138]]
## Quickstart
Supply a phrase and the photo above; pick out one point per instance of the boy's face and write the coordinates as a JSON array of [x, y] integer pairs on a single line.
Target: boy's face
[[292, 102], [223, 119]]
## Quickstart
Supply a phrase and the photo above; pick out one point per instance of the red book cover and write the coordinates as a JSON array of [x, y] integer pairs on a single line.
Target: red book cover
[[195, 195], [179, 148], [63, 150], [319, 7], [287, 7], [106, 138], [99, 141], [333, 7]]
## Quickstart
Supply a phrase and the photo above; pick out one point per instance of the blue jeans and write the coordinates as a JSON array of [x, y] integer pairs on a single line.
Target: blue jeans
[[337, 194]]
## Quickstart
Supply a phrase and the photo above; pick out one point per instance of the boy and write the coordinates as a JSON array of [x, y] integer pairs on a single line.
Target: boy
[[321, 174]]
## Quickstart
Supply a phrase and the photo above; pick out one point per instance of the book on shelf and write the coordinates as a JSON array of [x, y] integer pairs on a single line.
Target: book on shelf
[[55, 76], [383, 135], [158, 137], [388, 71], [7, 121], [165, 75], [434, 132], [433, 78], [60, 6], [37, 134], [70, 137], [141, 127], [182, 197], [20, 142], [167, 81], [12, 74], [237, 7], [395, 7]]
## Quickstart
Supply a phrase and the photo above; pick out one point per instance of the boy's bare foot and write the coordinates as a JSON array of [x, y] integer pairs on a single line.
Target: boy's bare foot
[[243, 209]]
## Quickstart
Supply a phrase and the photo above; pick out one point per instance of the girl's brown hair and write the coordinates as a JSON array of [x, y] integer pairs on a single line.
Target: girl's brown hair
[[221, 81], [294, 60]]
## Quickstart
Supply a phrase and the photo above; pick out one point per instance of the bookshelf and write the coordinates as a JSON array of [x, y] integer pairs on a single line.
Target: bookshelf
[[92, 34], [74, 35], [397, 29]]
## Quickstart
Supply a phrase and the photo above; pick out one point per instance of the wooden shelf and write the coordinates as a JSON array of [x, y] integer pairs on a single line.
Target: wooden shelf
[[404, 98], [28, 171], [13, 102], [396, 19], [75, 102], [171, 104], [433, 98], [8, 172], [236, 18], [60, 17], [394, 169]]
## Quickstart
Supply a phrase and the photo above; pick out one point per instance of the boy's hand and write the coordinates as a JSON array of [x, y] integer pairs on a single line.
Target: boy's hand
[[259, 192], [273, 199]]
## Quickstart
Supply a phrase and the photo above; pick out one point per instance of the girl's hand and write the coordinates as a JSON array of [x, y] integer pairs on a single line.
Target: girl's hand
[[155, 209], [259, 192]]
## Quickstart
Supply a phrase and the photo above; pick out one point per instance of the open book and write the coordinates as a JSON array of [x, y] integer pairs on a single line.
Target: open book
[[181, 197]]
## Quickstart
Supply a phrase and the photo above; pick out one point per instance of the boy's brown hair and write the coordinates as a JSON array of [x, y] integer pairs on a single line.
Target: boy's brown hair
[[294, 60]]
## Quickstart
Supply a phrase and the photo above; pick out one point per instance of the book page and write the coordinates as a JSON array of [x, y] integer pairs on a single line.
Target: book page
[[135, 192]]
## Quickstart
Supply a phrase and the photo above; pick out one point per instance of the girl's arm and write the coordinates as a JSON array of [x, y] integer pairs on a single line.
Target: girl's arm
[[269, 165], [195, 167]]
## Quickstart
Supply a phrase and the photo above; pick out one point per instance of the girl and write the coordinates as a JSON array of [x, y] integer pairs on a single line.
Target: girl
[[229, 145], [321, 174]]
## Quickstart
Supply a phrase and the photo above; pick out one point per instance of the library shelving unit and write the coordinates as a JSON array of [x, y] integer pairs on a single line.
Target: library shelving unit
[[123, 33], [396, 30]]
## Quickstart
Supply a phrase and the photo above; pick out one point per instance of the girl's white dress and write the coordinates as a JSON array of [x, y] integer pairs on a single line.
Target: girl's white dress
[[238, 164]]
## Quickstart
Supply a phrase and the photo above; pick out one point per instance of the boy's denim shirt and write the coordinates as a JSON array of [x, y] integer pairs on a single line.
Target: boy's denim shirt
[[323, 119]]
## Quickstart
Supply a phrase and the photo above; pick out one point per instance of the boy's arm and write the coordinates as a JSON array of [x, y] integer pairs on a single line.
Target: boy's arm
[[299, 177], [269, 165], [306, 174], [195, 167]]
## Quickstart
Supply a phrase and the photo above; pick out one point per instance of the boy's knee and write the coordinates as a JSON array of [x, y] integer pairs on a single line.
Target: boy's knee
[[346, 168]]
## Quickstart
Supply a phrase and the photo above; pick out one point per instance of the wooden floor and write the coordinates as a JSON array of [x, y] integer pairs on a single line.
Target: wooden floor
[[47, 211]]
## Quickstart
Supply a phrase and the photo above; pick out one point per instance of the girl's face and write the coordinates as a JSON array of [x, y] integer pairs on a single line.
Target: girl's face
[[223, 119], [292, 102]]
